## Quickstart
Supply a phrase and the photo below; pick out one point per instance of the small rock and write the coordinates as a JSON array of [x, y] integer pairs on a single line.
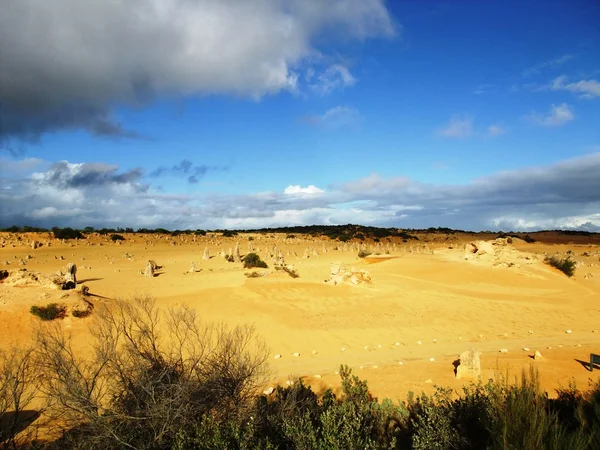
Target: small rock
[[419, 342], [525, 349], [429, 381], [296, 354], [431, 359], [530, 332], [537, 355], [569, 331], [277, 356], [314, 352], [317, 376], [375, 367], [400, 363], [503, 350]]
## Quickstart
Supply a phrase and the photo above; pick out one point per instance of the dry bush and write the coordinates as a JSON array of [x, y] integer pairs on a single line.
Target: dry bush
[[153, 374], [17, 392]]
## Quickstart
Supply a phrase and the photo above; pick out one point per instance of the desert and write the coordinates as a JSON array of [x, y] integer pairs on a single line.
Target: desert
[[415, 307]]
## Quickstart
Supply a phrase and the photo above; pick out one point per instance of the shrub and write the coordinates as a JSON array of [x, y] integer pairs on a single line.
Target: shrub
[[528, 239], [50, 312], [18, 383], [152, 376], [565, 265], [67, 233], [229, 258], [229, 233], [116, 237], [290, 236], [253, 260], [363, 254]]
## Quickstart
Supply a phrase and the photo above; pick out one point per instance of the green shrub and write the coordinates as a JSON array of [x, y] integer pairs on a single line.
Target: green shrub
[[229, 233], [50, 312], [67, 233], [116, 237], [290, 236], [565, 265], [253, 260], [363, 254]]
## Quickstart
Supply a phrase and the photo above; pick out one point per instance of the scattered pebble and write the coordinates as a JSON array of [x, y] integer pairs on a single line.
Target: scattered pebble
[[431, 359], [400, 363], [503, 350], [530, 332], [429, 381], [277, 356], [314, 352], [569, 331], [419, 342], [397, 343], [525, 349], [343, 349], [375, 367], [537, 355], [296, 354], [435, 341]]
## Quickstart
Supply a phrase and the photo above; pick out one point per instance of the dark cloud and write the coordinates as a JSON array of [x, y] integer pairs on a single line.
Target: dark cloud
[[186, 168], [66, 175], [67, 64]]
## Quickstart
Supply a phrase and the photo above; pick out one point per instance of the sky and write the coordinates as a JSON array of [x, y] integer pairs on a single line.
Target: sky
[[212, 114]]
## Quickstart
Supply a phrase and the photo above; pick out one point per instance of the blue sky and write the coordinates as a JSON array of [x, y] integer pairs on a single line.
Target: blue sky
[[205, 114]]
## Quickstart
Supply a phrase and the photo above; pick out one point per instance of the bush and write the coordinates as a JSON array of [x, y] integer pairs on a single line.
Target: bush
[[152, 377], [50, 312], [67, 233], [253, 260], [290, 236], [229, 233], [565, 265], [116, 237], [363, 254]]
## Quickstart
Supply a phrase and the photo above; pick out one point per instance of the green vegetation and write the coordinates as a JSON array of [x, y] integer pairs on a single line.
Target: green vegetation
[[67, 233], [253, 260], [50, 312], [116, 237], [565, 265], [229, 233], [363, 254]]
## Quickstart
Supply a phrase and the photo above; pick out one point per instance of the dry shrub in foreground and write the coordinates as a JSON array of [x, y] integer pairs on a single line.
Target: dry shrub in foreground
[[17, 392], [152, 375]]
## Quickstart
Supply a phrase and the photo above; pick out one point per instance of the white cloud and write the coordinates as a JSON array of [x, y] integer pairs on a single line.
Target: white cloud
[[565, 194], [484, 89], [337, 76], [459, 127], [145, 49], [297, 189], [336, 117], [552, 63], [555, 117], [495, 130], [586, 89]]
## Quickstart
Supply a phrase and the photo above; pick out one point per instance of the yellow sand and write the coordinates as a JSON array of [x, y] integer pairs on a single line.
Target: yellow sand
[[440, 299]]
